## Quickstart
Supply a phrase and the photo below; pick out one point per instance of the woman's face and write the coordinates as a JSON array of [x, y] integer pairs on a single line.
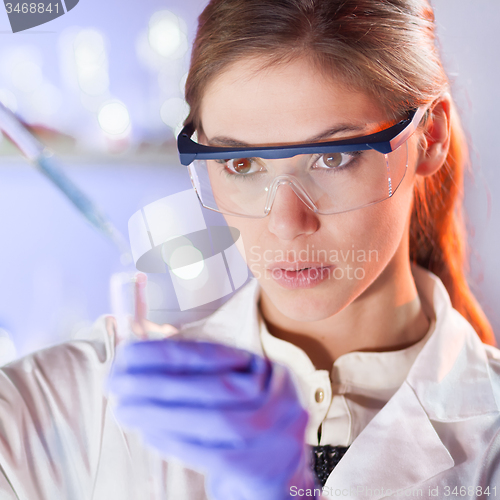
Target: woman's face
[[291, 103]]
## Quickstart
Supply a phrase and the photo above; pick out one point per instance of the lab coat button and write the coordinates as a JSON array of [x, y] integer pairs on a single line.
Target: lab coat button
[[319, 396]]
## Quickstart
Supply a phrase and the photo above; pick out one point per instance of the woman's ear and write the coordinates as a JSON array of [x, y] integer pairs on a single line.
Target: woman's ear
[[435, 140]]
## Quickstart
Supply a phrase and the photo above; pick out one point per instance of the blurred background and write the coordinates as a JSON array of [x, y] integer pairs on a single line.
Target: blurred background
[[102, 86]]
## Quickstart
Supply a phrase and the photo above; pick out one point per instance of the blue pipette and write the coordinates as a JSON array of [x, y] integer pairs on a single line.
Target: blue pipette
[[46, 162]]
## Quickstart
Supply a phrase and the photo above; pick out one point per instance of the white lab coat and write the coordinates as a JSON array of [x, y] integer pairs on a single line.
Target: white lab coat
[[59, 439]]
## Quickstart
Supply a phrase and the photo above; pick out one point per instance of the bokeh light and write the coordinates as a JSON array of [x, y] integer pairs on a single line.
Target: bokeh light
[[114, 118], [167, 35]]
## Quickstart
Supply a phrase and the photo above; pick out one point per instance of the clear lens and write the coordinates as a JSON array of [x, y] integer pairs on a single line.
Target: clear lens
[[327, 183]]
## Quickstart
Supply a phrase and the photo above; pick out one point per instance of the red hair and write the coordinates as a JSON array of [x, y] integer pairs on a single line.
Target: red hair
[[438, 236]]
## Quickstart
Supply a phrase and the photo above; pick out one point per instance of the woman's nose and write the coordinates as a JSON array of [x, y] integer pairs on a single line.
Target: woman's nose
[[290, 216]]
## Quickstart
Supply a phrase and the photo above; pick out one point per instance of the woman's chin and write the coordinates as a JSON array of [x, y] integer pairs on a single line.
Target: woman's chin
[[302, 305]]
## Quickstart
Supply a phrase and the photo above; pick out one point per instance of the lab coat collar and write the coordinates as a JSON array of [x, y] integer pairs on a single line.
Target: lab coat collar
[[401, 433]]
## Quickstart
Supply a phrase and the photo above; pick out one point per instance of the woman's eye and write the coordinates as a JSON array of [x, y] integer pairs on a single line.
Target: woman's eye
[[240, 165], [335, 160]]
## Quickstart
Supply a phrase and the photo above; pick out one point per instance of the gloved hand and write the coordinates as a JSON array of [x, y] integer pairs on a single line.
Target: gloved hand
[[227, 412]]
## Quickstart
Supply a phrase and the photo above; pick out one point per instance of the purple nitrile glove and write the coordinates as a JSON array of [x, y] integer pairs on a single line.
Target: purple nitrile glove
[[233, 414]]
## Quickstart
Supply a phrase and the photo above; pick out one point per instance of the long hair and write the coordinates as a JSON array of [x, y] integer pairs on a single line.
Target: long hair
[[386, 48]]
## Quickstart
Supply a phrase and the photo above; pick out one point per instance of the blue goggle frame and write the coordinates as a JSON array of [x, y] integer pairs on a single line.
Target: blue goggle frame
[[385, 141]]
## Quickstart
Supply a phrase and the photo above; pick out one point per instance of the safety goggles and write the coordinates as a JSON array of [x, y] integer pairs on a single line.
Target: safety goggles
[[329, 177]]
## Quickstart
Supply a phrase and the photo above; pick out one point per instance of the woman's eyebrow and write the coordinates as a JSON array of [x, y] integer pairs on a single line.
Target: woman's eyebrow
[[227, 141]]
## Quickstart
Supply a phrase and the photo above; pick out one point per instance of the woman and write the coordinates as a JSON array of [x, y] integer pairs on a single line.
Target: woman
[[358, 341], [340, 161]]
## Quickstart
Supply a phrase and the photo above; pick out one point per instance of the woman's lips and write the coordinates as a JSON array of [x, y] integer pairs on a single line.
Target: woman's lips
[[296, 265], [295, 275]]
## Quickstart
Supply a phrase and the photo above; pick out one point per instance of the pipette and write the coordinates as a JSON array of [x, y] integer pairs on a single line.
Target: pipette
[[47, 163]]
